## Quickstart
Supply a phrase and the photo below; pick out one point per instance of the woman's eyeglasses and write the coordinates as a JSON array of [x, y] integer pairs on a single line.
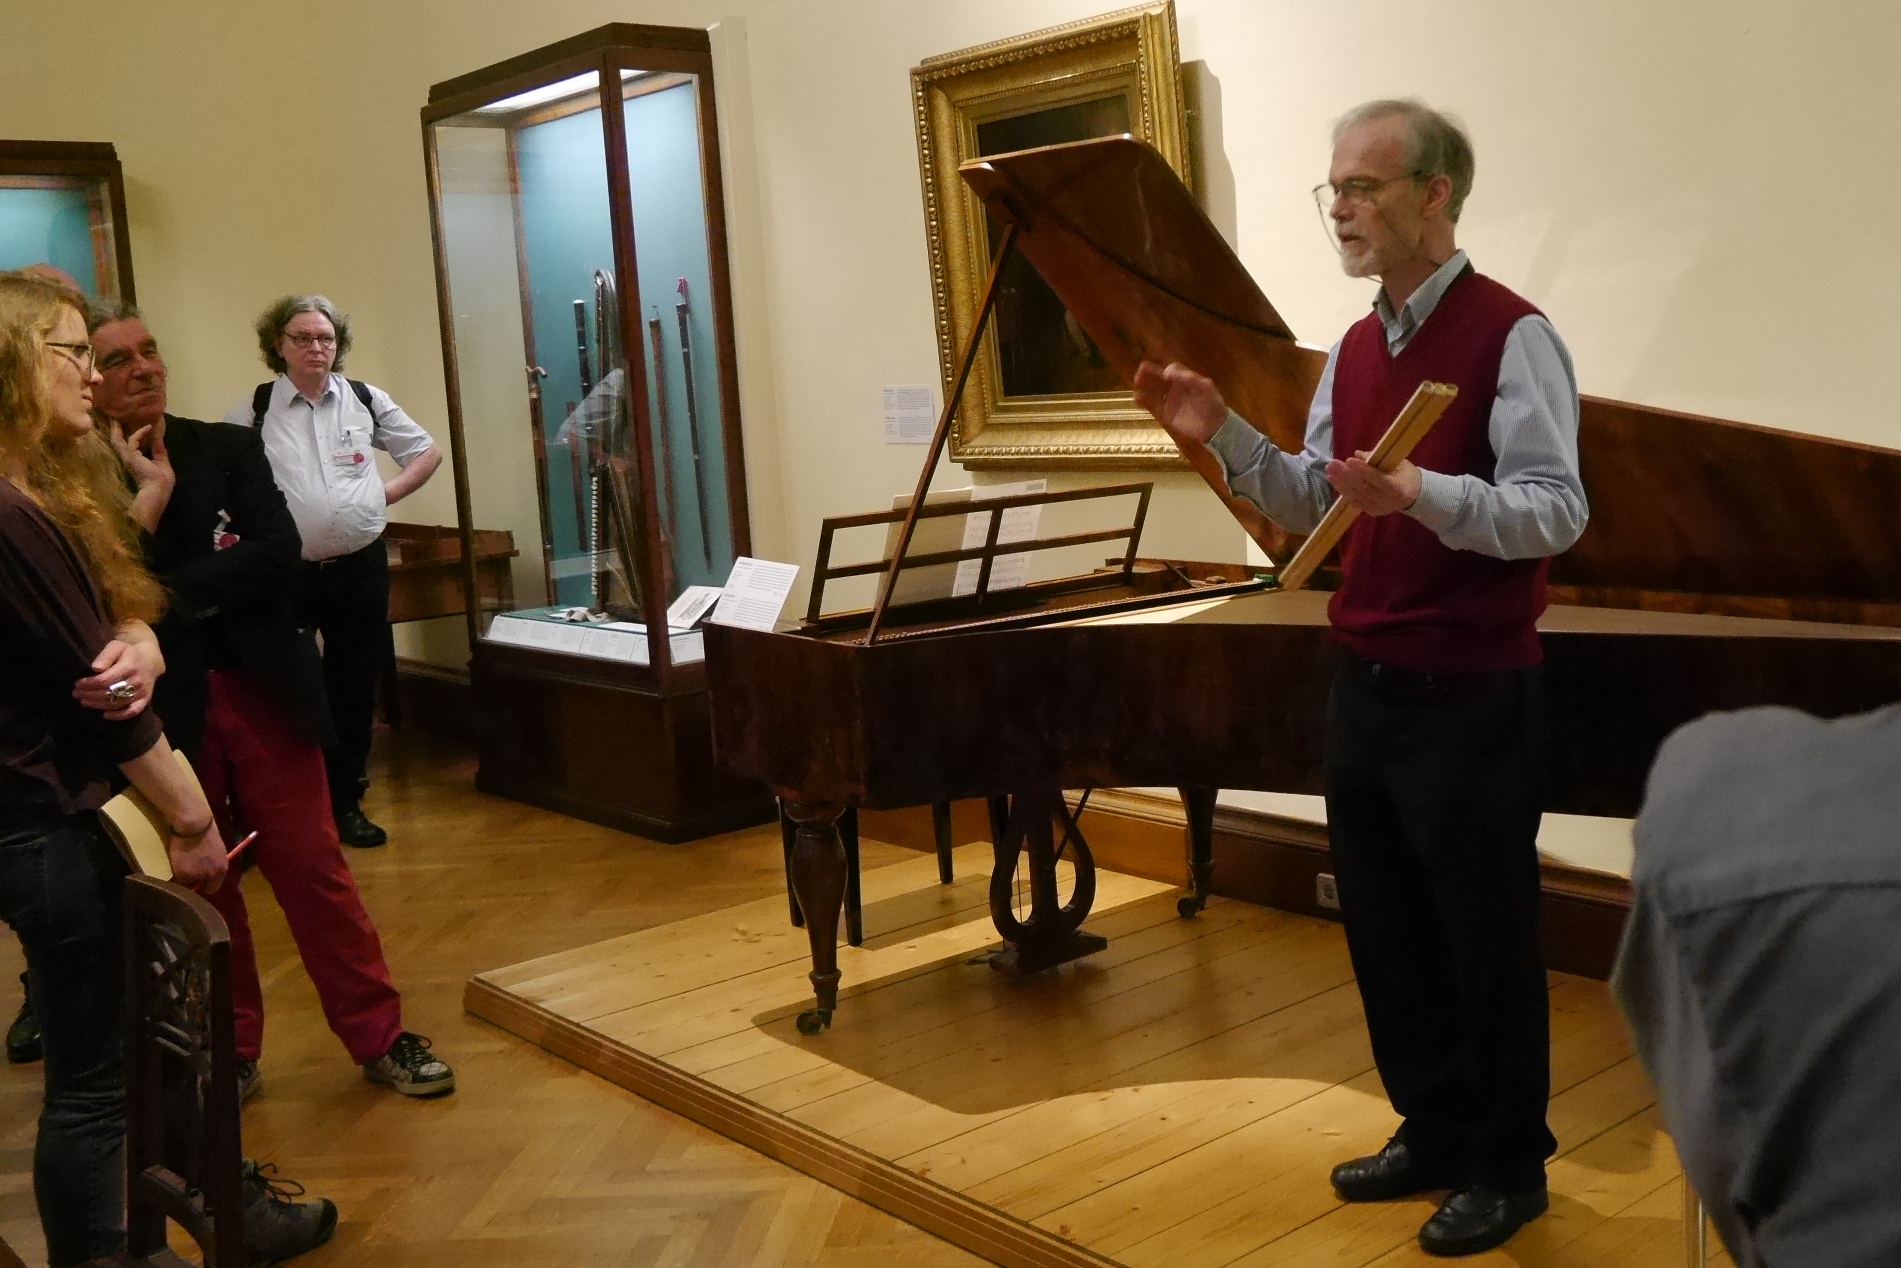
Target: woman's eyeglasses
[[81, 354]]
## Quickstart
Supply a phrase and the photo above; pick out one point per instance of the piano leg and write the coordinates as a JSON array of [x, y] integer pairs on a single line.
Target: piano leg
[[819, 873], [788, 833], [1199, 802], [941, 834], [1052, 934], [854, 898]]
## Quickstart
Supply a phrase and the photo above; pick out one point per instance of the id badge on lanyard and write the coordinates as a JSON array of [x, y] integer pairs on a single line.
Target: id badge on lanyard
[[352, 451]]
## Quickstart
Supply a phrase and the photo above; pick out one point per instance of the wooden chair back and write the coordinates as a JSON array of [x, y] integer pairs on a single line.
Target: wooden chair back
[[184, 1155]]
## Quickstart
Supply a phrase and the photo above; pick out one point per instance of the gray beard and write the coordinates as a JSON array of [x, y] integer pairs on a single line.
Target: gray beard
[[1363, 265]]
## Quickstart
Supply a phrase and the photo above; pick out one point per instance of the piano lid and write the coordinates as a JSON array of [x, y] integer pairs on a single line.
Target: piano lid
[[1680, 504]]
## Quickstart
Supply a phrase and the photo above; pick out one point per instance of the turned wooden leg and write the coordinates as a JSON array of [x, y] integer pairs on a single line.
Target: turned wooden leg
[[1199, 802], [788, 830], [941, 830], [819, 875], [854, 897]]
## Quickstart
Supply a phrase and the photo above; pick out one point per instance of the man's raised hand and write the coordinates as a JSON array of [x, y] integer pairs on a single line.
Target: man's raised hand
[[1187, 405]]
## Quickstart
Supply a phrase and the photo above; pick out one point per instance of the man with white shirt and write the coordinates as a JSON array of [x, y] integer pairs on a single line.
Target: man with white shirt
[[1434, 733], [320, 433]]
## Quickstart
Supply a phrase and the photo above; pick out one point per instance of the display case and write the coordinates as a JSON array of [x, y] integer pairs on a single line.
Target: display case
[[593, 401], [63, 203]]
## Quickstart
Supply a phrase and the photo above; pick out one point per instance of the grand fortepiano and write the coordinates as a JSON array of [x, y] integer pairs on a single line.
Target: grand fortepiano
[[1725, 565]]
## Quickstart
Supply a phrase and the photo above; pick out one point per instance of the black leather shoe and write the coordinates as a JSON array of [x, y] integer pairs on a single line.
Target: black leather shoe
[[1479, 1218], [355, 828], [1391, 1173], [23, 1036]]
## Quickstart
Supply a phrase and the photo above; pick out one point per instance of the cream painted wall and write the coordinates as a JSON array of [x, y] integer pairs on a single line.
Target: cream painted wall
[[1687, 189], [1698, 193]]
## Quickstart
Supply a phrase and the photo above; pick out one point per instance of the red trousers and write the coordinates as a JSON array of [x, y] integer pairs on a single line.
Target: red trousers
[[261, 775]]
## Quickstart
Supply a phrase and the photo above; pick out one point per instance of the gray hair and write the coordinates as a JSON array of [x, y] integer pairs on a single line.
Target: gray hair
[[1437, 143], [103, 312], [271, 323]]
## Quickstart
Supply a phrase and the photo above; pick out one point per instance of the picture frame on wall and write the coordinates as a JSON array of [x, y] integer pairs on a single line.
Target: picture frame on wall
[[1041, 394], [63, 203]]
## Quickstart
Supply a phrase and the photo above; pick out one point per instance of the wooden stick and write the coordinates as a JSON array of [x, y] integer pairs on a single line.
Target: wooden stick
[[1428, 402], [992, 287]]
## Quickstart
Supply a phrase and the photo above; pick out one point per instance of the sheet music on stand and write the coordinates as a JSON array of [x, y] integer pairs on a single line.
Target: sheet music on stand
[[1020, 524], [966, 532], [755, 594]]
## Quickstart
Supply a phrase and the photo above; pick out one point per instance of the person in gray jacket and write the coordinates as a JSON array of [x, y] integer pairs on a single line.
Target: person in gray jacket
[[1761, 976]]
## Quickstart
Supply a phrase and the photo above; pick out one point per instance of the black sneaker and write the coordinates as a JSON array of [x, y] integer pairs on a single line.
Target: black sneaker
[[23, 1036], [354, 828], [276, 1225], [250, 1082], [411, 1068]]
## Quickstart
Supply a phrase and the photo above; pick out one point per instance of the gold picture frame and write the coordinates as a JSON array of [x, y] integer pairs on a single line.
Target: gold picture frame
[[1039, 395]]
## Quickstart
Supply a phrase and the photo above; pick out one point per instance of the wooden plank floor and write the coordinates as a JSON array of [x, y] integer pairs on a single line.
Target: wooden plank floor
[[532, 1161], [1174, 1100]]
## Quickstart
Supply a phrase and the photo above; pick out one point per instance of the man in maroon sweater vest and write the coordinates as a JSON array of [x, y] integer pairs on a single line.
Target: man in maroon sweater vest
[[1434, 738]]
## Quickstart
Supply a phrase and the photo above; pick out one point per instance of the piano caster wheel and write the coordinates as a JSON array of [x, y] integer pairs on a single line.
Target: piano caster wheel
[[1188, 906], [813, 1020]]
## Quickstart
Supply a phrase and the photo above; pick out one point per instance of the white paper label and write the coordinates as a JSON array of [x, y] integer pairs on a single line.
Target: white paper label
[[694, 602], [910, 415], [755, 593]]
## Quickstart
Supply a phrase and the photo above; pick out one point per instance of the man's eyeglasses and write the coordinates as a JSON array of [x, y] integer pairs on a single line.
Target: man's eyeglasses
[[1356, 191], [313, 341], [81, 354]]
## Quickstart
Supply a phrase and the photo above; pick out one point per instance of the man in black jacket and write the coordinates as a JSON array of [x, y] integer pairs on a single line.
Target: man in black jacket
[[244, 698]]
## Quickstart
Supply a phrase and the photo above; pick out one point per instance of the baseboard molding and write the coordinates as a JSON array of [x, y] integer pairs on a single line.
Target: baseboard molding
[[432, 698], [1273, 861], [962, 1221], [726, 818]]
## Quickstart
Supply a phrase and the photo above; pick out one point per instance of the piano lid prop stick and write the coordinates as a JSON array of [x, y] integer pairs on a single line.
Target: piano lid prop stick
[[942, 434], [1428, 402], [693, 422]]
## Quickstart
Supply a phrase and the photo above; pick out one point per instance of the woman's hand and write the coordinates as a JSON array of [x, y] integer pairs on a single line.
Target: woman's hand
[[198, 862], [133, 664]]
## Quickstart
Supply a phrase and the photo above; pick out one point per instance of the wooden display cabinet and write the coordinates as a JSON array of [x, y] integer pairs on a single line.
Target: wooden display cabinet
[[587, 337], [63, 203]]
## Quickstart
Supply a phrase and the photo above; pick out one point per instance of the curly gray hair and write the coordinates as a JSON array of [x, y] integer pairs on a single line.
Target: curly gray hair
[[1437, 143], [271, 323]]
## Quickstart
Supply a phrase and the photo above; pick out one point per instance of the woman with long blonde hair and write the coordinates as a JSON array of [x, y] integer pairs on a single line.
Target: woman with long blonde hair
[[77, 664]]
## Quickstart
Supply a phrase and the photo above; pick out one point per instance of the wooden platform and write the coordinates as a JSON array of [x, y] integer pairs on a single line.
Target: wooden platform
[[1174, 1100]]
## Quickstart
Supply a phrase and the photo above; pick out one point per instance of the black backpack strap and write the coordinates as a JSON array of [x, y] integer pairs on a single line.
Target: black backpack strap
[[261, 401], [362, 391]]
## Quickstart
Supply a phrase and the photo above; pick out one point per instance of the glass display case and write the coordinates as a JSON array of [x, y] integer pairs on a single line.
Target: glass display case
[[63, 203], [588, 347]]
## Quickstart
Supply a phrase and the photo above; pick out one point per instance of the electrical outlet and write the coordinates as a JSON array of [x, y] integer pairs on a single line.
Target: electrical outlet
[[1326, 892]]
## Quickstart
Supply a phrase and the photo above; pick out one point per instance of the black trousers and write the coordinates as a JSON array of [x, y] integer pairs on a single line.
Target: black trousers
[[346, 600], [1434, 788]]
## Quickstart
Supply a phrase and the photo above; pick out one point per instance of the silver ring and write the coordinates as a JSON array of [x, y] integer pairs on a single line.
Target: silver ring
[[122, 692]]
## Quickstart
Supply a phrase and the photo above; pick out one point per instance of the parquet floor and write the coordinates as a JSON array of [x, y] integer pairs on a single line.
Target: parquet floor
[[532, 1161]]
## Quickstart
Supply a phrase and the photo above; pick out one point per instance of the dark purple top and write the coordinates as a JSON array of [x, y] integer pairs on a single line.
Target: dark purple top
[[57, 757]]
